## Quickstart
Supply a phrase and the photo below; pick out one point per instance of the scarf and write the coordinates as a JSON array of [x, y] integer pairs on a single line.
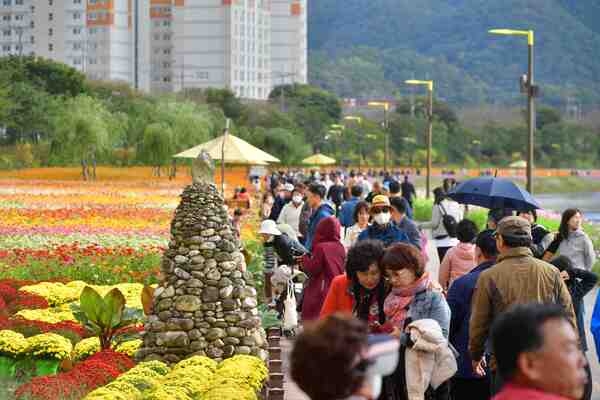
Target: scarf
[[364, 299], [397, 302]]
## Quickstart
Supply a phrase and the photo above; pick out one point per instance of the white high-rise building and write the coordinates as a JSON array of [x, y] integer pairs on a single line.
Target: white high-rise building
[[223, 44], [105, 39], [289, 45], [165, 45]]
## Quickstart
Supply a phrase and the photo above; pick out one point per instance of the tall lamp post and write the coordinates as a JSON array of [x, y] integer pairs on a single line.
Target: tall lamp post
[[529, 88], [386, 106], [429, 85], [360, 149]]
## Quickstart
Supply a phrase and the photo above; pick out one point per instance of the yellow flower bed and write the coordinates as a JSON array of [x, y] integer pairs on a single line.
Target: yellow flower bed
[[48, 315], [238, 378], [58, 294], [12, 344], [49, 345], [85, 348], [130, 347]]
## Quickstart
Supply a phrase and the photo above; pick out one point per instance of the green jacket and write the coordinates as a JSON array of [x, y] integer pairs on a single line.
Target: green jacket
[[517, 278]]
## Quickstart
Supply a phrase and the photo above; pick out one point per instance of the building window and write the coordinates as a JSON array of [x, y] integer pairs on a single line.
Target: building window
[[50, 47], [166, 65], [19, 17], [167, 51], [50, 2], [50, 17], [32, 39], [6, 32], [6, 47], [76, 15], [92, 31], [76, 31], [76, 1], [166, 37], [77, 46], [6, 3], [202, 75], [6, 18], [19, 3], [156, 37], [166, 23], [166, 79], [50, 31]]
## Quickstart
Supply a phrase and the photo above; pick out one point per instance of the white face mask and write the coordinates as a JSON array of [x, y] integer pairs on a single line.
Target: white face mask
[[297, 199], [382, 218]]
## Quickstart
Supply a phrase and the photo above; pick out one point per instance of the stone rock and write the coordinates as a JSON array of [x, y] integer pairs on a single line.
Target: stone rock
[[179, 259], [172, 339], [226, 292], [215, 333], [213, 275], [164, 305], [187, 303], [168, 292], [182, 274], [243, 350], [210, 294], [236, 332], [249, 302], [207, 246]]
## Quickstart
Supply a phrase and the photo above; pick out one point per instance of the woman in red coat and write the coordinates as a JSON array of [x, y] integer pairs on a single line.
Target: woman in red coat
[[324, 263]]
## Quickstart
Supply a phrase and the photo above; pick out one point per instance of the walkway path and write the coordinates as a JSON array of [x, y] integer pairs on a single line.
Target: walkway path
[[292, 392]]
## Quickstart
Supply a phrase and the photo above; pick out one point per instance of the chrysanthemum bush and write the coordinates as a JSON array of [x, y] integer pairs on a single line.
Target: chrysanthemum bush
[[50, 346], [98, 370], [12, 344], [238, 378]]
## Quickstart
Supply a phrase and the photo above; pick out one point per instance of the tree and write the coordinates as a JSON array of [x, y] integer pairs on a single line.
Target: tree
[[309, 97], [82, 132], [225, 99], [157, 147], [547, 115]]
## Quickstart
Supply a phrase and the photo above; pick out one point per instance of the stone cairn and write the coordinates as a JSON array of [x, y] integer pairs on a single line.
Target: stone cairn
[[205, 304]]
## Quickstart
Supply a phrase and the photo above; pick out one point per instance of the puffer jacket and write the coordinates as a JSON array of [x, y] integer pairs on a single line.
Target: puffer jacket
[[517, 278], [429, 361], [458, 261], [436, 224]]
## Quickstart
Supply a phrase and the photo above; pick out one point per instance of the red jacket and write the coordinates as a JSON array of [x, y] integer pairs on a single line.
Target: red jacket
[[511, 391], [324, 264], [339, 298]]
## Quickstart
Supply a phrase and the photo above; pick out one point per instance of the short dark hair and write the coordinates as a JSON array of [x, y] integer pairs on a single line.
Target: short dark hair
[[317, 189], [519, 330], [394, 187], [362, 255], [333, 345], [487, 243], [403, 256], [356, 191], [532, 212], [361, 205], [466, 231], [438, 195], [399, 203]]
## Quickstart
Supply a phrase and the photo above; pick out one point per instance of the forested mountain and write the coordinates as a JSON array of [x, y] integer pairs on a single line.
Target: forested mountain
[[363, 48]]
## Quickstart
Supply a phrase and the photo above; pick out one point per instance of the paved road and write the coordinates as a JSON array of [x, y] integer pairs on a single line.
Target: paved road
[[293, 393]]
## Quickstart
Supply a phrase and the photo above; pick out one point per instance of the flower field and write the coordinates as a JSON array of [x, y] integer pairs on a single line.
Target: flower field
[[56, 238], [101, 232]]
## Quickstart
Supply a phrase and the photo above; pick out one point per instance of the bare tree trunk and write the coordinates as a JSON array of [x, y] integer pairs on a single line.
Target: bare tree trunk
[[84, 170], [94, 166], [158, 171]]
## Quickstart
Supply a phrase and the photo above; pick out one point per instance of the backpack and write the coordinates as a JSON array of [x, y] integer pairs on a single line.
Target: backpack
[[449, 222]]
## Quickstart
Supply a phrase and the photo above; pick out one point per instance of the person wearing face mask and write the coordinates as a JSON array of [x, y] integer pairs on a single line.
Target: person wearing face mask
[[383, 227], [290, 214], [284, 195]]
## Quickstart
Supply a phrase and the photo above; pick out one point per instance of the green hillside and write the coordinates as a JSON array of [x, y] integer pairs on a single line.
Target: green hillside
[[363, 48]]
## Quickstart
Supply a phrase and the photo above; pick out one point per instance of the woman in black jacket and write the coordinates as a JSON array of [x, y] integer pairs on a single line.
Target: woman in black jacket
[[579, 282]]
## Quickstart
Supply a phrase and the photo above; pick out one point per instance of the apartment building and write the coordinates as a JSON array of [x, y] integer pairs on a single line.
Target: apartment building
[[165, 45], [289, 45], [224, 44], [15, 27]]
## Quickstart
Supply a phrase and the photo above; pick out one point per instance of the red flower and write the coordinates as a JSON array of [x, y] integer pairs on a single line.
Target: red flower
[[98, 370], [7, 293], [28, 301]]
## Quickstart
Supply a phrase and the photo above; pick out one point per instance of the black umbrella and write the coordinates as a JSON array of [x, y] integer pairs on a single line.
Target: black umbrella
[[490, 192]]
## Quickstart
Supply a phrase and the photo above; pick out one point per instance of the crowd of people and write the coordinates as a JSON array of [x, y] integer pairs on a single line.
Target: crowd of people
[[503, 317]]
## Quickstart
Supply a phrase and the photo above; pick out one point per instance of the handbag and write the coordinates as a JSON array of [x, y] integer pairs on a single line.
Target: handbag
[[290, 313]]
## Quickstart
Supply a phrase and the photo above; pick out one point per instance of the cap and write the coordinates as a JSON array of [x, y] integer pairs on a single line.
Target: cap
[[269, 227], [288, 187], [514, 227], [380, 201]]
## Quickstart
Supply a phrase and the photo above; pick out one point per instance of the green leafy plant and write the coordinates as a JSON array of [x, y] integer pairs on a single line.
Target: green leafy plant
[[103, 316]]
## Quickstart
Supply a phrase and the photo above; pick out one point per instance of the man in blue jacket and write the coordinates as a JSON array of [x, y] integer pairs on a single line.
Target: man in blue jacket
[[383, 228], [321, 209], [347, 213], [466, 384]]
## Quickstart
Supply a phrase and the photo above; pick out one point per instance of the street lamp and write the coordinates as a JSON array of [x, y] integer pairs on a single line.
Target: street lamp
[[386, 106], [360, 150], [429, 85], [527, 85]]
